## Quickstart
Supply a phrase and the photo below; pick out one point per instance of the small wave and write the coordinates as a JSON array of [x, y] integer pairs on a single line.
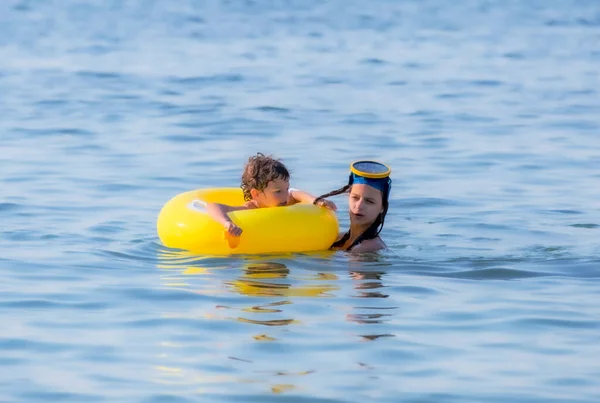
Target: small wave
[[373, 61], [101, 75], [46, 304], [588, 226], [492, 274], [458, 95], [580, 22], [272, 109], [554, 323], [61, 131], [9, 207], [412, 290], [43, 396], [167, 399], [118, 187], [160, 294], [113, 227], [568, 212], [427, 202], [203, 80], [31, 345]]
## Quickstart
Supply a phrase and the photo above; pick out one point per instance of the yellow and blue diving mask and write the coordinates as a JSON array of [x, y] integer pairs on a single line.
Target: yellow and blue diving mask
[[371, 173]]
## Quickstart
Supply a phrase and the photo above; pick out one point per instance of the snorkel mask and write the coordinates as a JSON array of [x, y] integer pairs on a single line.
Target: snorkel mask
[[371, 173]]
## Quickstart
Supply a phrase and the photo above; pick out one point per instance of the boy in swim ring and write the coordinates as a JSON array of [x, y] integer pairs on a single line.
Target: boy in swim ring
[[265, 183], [369, 188]]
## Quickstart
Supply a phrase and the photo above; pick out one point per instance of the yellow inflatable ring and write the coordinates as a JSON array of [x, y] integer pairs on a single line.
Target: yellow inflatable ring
[[184, 224]]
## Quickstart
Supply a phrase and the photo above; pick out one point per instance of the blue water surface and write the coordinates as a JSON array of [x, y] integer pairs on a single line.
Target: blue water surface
[[487, 111]]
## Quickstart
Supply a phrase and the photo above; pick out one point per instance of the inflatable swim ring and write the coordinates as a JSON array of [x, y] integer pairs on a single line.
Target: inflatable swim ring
[[184, 224]]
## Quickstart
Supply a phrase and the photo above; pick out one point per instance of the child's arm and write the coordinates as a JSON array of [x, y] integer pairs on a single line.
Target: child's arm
[[300, 196], [219, 212]]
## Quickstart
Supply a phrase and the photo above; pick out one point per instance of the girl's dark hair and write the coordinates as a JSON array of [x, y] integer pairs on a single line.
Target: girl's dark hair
[[375, 228], [259, 171]]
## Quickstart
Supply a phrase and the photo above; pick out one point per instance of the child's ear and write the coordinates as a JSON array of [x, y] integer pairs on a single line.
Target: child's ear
[[254, 193]]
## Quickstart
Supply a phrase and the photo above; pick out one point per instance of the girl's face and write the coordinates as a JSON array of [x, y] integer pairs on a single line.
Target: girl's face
[[365, 203]]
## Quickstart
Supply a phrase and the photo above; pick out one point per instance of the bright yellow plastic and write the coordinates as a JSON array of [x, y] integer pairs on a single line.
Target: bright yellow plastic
[[183, 224]]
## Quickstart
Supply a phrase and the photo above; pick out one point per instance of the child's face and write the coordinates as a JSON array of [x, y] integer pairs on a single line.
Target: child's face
[[275, 194], [365, 203]]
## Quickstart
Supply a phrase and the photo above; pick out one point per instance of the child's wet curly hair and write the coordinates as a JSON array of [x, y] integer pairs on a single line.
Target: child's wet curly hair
[[259, 171]]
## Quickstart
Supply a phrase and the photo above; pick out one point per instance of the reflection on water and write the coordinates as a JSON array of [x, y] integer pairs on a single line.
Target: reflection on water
[[258, 313], [271, 279], [266, 309], [273, 322], [369, 284], [255, 295], [368, 280]]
